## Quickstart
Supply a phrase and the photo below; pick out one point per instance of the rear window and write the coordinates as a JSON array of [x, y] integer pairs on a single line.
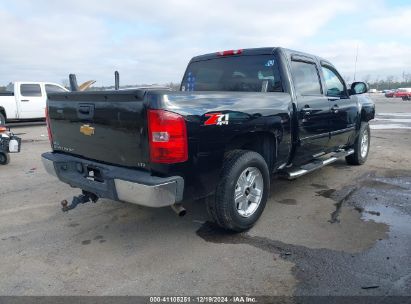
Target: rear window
[[238, 73], [50, 88], [30, 90]]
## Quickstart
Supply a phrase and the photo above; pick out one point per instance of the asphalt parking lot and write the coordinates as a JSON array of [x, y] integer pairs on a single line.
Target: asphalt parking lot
[[341, 230]]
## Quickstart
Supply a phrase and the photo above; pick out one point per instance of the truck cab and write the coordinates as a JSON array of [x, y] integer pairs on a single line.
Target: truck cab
[[26, 100]]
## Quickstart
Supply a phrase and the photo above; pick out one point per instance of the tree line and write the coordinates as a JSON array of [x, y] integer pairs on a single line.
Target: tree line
[[389, 85], [390, 82]]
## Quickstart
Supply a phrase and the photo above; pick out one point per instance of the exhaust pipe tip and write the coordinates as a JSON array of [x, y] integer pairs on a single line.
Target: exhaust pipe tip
[[179, 210]]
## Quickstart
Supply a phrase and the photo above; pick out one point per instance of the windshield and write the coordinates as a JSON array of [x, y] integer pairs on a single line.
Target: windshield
[[257, 73]]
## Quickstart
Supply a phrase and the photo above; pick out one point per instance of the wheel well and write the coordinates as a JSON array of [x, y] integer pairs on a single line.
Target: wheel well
[[367, 114], [3, 111], [264, 143]]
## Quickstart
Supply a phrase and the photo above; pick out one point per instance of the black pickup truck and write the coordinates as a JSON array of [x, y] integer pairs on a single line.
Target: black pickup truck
[[239, 117]]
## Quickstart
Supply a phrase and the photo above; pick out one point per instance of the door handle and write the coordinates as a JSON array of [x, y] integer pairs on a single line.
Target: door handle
[[85, 111], [335, 109], [24, 100], [333, 98]]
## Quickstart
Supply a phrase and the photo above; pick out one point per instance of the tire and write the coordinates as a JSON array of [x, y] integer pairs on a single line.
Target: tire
[[4, 158], [246, 175], [2, 119], [361, 146]]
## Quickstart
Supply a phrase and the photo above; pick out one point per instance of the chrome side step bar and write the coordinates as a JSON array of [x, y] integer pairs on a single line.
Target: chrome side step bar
[[317, 163]]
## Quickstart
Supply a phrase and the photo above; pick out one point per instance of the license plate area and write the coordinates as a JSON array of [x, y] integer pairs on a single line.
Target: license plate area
[[94, 174]]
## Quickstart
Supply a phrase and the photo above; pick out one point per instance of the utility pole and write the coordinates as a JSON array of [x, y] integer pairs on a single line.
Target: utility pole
[[356, 59]]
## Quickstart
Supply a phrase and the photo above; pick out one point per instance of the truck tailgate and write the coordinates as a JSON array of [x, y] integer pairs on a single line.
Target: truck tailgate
[[102, 126]]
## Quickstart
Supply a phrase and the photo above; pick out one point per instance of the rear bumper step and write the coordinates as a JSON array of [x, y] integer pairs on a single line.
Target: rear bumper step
[[293, 173], [116, 183]]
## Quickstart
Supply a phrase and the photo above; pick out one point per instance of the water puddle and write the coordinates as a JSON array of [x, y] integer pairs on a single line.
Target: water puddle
[[383, 199], [384, 269], [386, 121], [388, 126]]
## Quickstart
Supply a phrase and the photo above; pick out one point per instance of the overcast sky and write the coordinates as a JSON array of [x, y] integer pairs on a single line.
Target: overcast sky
[[152, 41]]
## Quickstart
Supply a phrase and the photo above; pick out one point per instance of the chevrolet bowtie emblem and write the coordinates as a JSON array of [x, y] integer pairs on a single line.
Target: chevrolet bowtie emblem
[[87, 130]]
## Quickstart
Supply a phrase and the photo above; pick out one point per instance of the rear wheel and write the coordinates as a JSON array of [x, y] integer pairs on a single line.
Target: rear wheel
[[4, 158], [242, 191], [361, 146]]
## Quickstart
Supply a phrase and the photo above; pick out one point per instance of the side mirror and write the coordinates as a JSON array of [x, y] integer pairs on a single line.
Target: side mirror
[[358, 88]]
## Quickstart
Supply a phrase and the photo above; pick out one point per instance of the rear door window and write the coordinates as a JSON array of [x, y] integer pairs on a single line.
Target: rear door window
[[306, 78], [30, 90], [50, 88], [246, 73]]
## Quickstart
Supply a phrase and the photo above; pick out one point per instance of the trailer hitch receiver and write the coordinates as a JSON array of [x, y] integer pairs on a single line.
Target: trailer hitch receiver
[[83, 198]]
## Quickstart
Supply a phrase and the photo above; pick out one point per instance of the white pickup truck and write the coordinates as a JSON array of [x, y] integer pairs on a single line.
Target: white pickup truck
[[26, 100]]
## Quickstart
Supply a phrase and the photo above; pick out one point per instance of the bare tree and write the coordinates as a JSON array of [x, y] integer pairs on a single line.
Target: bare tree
[[65, 83], [367, 78], [390, 79]]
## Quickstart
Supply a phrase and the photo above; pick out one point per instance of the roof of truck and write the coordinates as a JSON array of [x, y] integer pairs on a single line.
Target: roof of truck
[[10, 87], [253, 51], [37, 82], [257, 51]]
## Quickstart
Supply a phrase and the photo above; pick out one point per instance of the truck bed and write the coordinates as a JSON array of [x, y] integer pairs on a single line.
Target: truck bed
[[117, 121]]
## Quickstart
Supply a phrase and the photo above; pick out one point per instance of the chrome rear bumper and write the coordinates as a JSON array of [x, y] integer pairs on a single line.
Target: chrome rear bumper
[[116, 183]]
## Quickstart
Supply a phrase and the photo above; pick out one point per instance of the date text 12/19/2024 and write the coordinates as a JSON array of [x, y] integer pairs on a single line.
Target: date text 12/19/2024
[[204, 299]]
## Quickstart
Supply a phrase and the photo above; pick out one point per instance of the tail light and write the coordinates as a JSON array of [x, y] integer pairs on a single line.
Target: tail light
[[167, 135], [48, 126]]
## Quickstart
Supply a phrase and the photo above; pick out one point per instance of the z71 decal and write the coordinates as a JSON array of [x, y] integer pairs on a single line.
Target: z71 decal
[[217, 119]]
